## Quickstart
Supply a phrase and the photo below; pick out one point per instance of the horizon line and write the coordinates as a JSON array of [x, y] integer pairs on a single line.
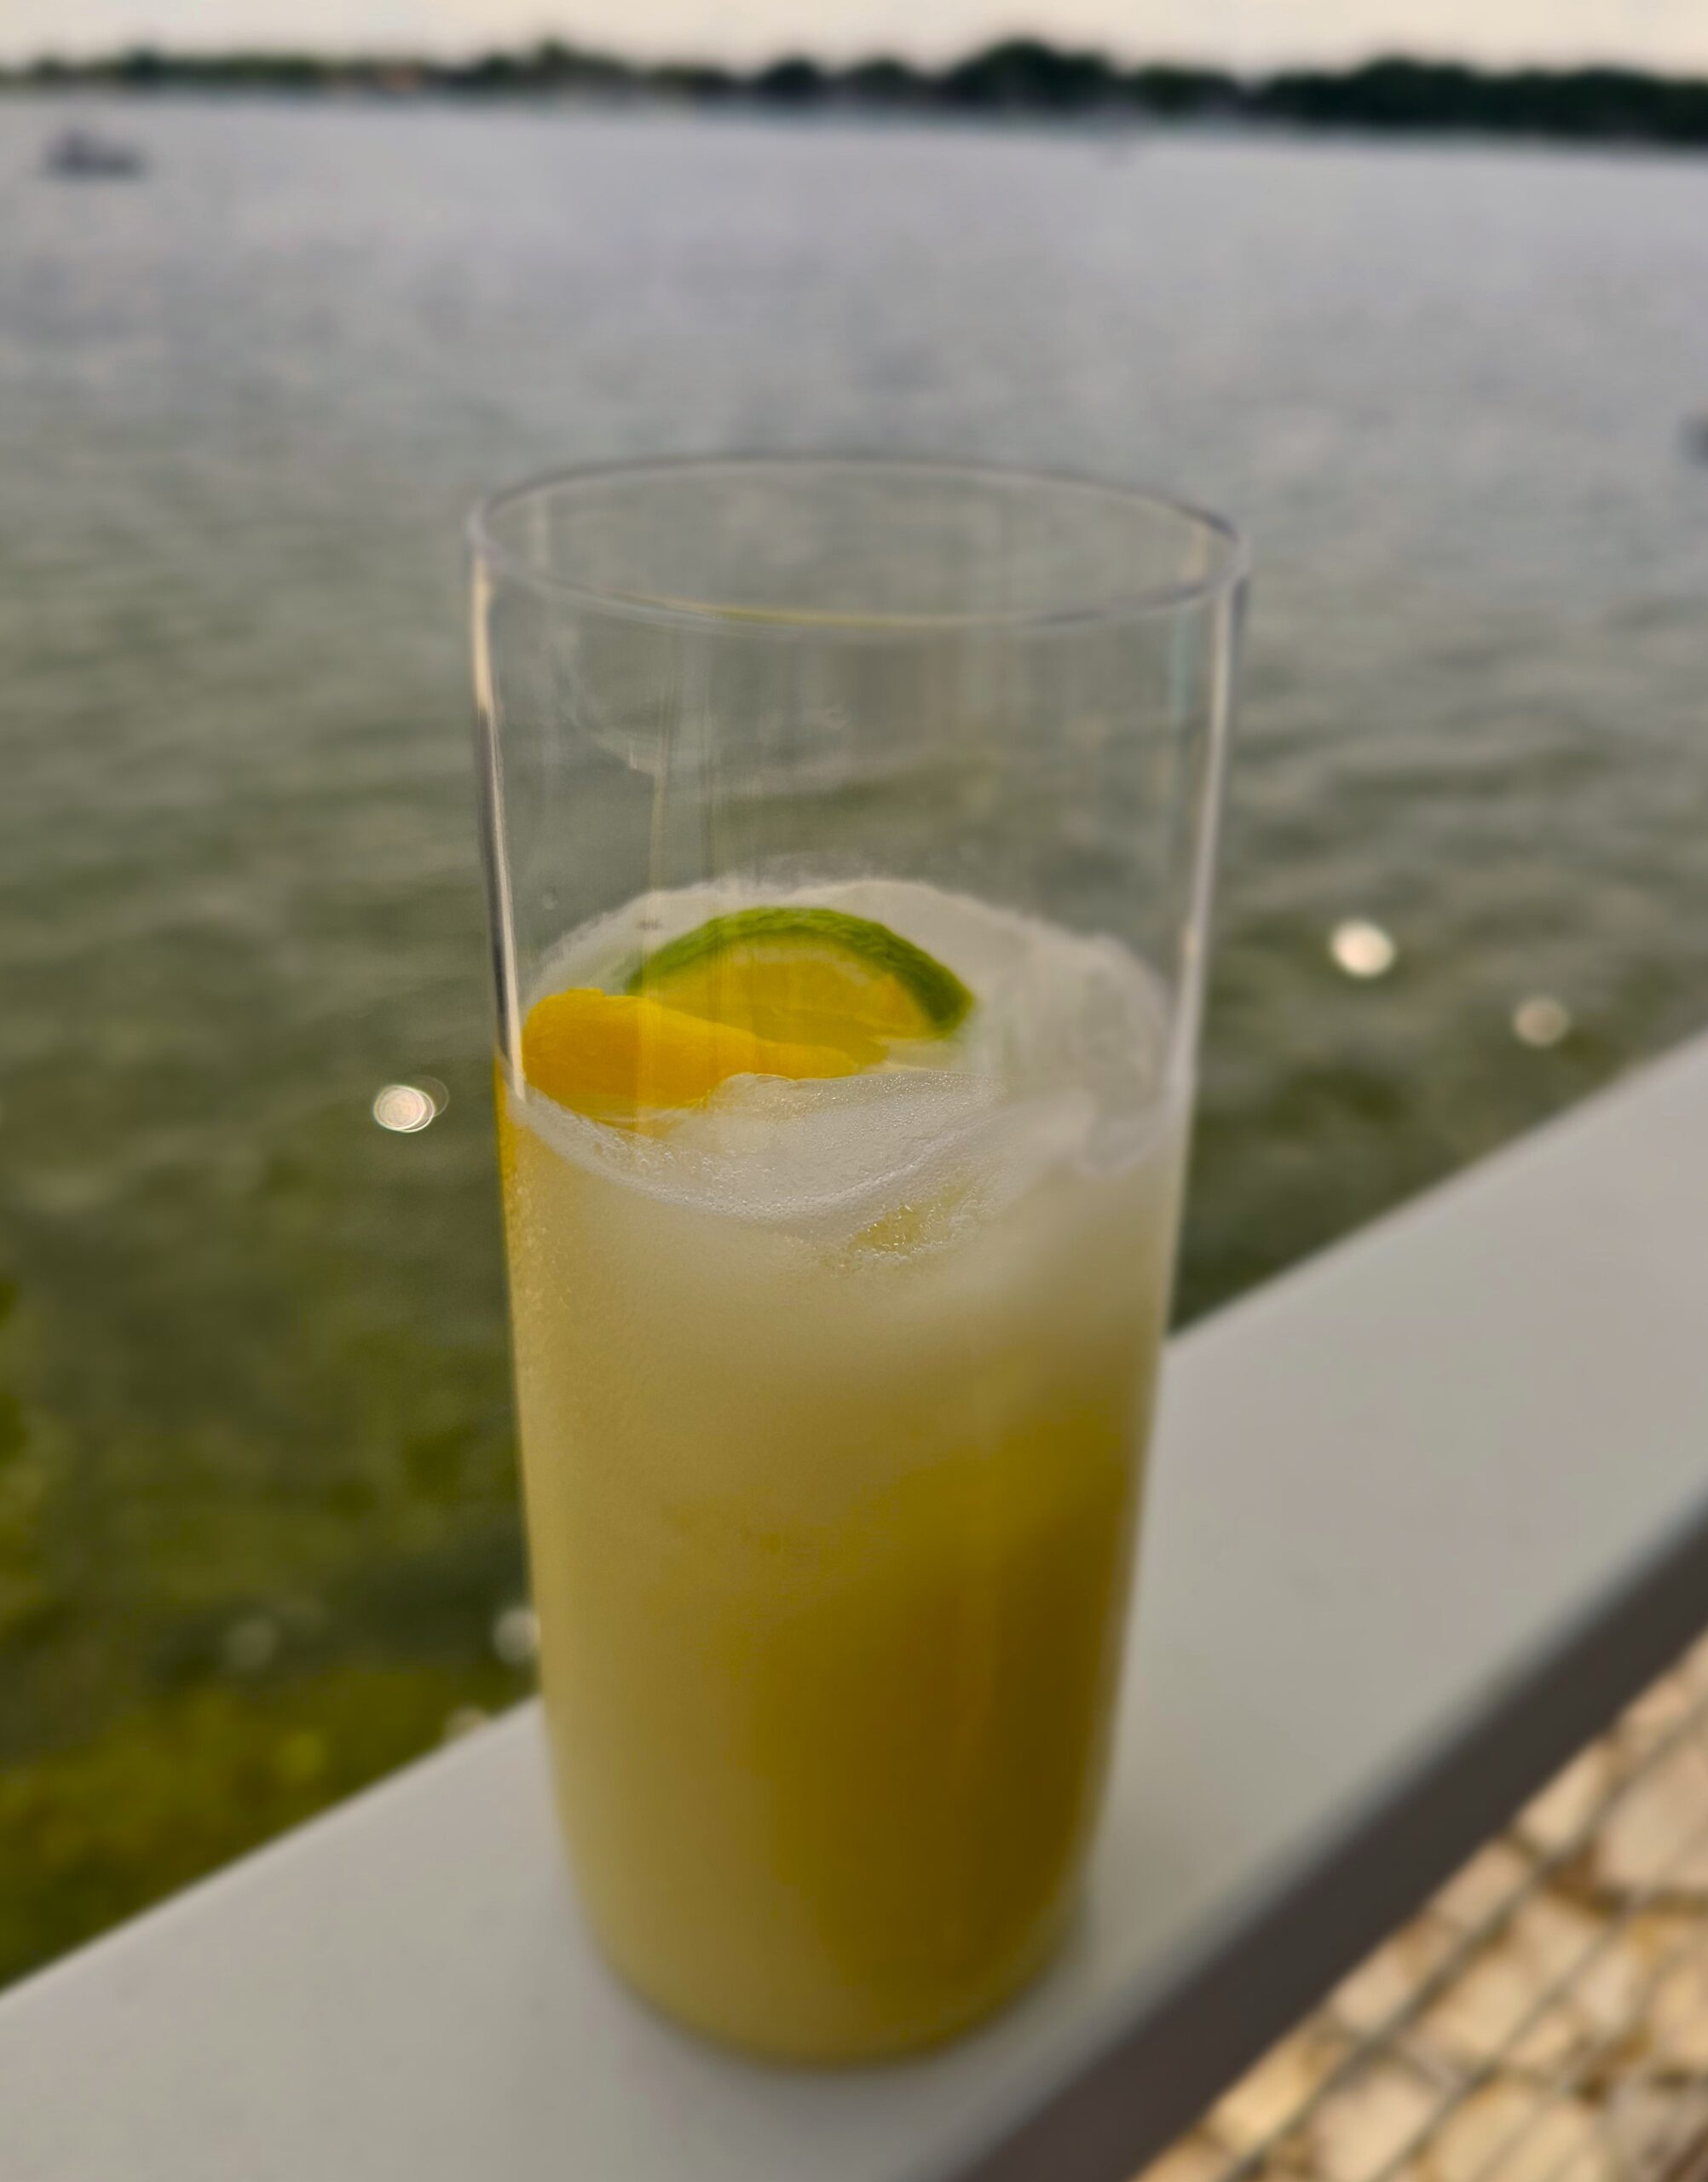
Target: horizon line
[[842, 61]]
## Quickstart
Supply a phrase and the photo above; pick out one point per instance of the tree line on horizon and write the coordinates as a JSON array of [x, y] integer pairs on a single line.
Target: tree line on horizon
[[1018, 76]]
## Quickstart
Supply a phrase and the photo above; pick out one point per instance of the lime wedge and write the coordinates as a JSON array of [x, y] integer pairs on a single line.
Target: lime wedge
[[808, 976]]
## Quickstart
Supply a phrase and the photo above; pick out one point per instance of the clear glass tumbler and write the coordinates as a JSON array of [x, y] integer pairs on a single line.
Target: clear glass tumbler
[[850, 828]]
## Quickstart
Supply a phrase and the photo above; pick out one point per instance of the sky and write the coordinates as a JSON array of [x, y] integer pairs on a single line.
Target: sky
[[1249, 33]]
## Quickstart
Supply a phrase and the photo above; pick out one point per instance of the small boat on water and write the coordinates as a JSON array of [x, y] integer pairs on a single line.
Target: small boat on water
[[79, 155]]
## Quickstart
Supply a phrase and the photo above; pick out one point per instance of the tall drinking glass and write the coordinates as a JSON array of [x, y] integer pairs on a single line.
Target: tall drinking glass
[[849, 827]]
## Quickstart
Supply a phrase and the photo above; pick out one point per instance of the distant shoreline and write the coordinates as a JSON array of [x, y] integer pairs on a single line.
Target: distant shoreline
[[1021, 79]]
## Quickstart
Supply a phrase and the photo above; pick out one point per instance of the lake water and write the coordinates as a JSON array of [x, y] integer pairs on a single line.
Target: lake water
[[258, 1533]]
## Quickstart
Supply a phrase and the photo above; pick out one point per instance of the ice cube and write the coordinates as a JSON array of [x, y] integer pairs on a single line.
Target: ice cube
[[826, 1154]]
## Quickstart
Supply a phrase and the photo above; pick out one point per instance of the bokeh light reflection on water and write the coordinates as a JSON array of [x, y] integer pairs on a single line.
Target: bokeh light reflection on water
[[404, 1108], [1363, 949]]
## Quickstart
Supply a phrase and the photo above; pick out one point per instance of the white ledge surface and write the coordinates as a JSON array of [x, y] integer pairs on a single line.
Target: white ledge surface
[[1425, 1511]]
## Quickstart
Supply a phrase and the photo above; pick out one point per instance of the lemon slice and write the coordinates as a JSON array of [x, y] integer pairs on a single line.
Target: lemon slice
[[622, 1058], [808, 976]]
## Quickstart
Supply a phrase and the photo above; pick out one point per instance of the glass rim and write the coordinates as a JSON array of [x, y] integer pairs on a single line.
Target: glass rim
[[1229, 558]]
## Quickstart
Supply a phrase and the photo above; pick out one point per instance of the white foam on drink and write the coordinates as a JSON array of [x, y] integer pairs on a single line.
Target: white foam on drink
[[1063, 1063]]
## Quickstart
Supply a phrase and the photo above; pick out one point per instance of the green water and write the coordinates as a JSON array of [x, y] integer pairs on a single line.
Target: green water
[[257, 1519]]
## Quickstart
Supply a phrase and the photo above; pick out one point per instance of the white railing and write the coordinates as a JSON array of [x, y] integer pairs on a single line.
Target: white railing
[[1427, 1511]]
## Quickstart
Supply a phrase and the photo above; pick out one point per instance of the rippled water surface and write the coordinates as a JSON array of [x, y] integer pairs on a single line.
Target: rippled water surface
[[257, 1537]]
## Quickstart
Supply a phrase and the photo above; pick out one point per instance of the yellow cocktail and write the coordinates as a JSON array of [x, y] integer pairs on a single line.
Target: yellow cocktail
[[837, 1288], [841, 1206]]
